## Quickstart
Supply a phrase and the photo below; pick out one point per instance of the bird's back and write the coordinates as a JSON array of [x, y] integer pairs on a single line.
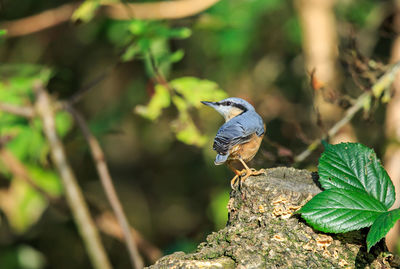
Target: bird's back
[[238, 130]]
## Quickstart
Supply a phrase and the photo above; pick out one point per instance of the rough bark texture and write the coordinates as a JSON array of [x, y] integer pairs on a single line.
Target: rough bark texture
[[263, 232]]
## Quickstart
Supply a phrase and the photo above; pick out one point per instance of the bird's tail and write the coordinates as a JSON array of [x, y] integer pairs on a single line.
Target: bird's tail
[[220, 159]]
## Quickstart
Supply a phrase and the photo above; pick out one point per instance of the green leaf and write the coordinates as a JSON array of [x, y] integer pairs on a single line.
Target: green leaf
[[16, 81], [22, 205], [160, 100], [354, 167], [385, 80], [28, 144], [86, 11], [130, 53], [3, 32], [195, 90], [63, 122], [340, 210], [47, 180], [381, 226], [184, 127]]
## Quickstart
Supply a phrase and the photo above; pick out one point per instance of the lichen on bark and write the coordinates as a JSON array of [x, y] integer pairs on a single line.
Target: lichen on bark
[[263, 231]]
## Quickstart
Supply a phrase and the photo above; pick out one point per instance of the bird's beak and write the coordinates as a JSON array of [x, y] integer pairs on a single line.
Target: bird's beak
[[211, 104]]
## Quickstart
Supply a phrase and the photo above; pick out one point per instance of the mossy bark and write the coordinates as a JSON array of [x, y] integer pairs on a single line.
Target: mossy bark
[[263, 231]]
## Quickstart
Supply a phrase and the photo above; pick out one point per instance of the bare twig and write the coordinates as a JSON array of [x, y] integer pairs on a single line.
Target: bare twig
[[157, 10], [76, 97], [20, 171], [108, 186], [376, 90], [39, 22], [335, 128], [119, 11], [105, 221], [73, 193], [23, 111]]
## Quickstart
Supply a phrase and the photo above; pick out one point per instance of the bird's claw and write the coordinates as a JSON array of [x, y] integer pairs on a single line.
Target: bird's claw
[[242, 175]]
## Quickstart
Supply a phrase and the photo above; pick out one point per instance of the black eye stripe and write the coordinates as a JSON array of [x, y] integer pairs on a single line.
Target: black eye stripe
[[240, 107], [229, 103]]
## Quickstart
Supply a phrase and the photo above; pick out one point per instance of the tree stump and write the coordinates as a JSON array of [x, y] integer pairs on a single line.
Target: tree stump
[[263, 231]]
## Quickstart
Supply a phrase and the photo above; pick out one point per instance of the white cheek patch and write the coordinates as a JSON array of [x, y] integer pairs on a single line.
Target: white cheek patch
[[233, 112]]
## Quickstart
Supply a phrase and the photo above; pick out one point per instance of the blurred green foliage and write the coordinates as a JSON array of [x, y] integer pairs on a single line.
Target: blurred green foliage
[[185, 93], [22, 204], [161, 70]]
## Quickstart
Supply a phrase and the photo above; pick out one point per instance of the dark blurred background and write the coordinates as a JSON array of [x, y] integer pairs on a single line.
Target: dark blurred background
[[261, 50]]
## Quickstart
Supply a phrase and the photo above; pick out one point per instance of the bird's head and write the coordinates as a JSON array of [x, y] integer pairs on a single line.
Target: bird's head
[[230, 107]]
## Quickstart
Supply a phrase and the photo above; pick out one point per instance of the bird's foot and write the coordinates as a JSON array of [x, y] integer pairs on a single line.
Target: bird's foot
[[251, 172], [257, 172], [242, 175], [238, 175], [233, 181]]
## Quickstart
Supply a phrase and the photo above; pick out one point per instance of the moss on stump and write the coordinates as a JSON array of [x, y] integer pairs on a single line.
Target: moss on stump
[[264, 232]]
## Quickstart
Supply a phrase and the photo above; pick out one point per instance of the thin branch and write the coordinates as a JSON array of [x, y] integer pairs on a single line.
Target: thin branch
[[73, 193], [157, 10], [76, 97], [376, 90], [349, 114], [20, 171], [39, 22], [23, 111], [108, 186], [105, 221], [119, 11]]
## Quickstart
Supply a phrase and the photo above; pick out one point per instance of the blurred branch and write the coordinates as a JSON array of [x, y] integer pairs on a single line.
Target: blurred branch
[[376, 90], [105, 221], [108, 186], [23, 111], [349, 114], [157, 10], [119, 11], [109, 225], [73, 193], [20, 171], [76, 97], [39, 22]]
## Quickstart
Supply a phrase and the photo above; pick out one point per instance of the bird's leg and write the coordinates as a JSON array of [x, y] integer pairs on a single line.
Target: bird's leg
[[250, 171], [237, 175]]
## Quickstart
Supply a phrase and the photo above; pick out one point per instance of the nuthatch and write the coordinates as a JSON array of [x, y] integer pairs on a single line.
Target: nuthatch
[[239, 138]]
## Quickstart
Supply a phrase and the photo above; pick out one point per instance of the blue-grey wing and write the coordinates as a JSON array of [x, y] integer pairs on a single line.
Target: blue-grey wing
[[238, 131]]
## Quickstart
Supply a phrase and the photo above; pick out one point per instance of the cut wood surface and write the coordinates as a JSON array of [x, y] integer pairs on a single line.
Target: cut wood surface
[[263, 231]]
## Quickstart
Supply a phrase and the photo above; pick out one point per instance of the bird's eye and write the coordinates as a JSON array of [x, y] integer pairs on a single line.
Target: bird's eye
[[228, 103]]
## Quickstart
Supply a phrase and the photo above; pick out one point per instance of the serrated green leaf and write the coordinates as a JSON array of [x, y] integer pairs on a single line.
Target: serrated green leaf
[[340, 210], [381, 226], [354, 167], [160, 100]]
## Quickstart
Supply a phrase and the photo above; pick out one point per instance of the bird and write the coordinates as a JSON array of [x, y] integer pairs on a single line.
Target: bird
[[239, 138]]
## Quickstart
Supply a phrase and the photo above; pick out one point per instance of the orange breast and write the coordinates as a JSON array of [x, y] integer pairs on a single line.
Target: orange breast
[[248, 150]]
